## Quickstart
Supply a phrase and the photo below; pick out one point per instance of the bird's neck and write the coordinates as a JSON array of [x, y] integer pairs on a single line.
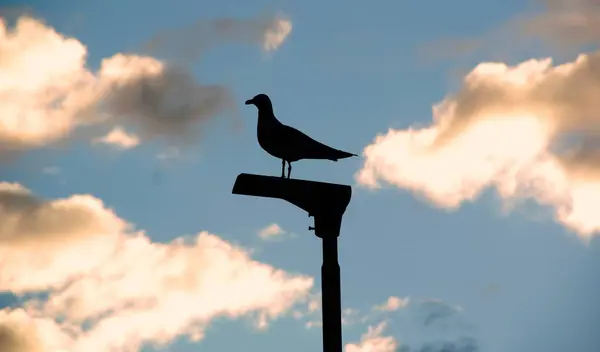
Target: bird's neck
[[266, 116]]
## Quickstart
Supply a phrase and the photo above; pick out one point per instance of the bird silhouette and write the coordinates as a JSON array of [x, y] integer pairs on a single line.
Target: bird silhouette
[[285, 142]]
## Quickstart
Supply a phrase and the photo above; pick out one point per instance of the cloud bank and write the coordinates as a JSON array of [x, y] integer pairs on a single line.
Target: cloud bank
[[107, 287]]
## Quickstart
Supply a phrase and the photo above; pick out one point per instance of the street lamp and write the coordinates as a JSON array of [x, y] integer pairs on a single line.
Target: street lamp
[[326, 202]]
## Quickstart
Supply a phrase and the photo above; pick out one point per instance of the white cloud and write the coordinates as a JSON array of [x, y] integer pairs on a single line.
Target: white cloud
[[314, 303], [350, 316], [528, 131], [126, 289], [393, 303], [374, 341], [313, 311], [43, 84], [119, 138], [271, 232], [276, 33]]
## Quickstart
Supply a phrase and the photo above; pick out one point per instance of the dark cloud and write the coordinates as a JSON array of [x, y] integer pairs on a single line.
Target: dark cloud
[[433, 325], [436, 311], [171, 104], [16, 335], [29, 220]]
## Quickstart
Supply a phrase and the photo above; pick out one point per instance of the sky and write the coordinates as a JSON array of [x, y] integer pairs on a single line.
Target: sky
[[472, 225]]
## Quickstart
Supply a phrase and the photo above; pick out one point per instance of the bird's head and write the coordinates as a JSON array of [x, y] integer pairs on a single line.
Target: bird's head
[[260, 101]]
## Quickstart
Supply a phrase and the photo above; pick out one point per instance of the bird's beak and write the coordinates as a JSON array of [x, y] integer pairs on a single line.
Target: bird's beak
[[249, 102]]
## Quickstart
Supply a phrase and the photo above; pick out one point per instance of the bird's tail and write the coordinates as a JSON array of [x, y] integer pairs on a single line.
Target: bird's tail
[[340, 154]]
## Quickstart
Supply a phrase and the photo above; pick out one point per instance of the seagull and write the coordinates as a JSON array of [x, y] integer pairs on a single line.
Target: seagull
[[285, 142]]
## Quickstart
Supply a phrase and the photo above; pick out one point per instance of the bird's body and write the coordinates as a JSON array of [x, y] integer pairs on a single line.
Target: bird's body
[[285, 142]]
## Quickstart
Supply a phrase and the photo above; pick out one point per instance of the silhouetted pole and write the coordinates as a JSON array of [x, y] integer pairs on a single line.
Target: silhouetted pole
[[327, 202], [331, 294]]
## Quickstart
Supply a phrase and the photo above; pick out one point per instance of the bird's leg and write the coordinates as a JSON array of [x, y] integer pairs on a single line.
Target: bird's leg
[[289, 169], [282, 168]]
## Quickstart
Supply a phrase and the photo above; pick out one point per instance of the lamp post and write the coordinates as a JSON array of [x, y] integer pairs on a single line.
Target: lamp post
[[326, 202]]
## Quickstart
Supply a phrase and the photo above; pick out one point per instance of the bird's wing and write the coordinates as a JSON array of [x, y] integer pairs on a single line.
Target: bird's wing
[[305, 147]]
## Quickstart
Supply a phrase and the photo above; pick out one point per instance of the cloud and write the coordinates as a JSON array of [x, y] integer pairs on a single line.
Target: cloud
[[18, 333], [267, 32], [425, 325], [564, 22], [437, 326], [161, 100], [373, 341], [312, 313], [119, 138], [561, 25], [41, 242], [107, 286], [44, 84], [393, 303], [528, 131], [271, 232], [350, 316], [47, 91], [434, 311]]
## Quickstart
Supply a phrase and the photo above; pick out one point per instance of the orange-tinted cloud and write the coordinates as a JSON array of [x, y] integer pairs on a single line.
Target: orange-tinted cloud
[[528, 131], [127, 289]]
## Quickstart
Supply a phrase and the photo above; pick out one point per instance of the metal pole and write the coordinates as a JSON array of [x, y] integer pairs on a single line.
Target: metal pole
[[331, 296]]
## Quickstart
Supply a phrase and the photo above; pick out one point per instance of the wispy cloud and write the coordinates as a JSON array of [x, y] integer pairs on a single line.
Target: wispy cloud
[[393, 303], [563, 26], [189, 42], [273, 232], [374, 341], [413, 325], [119, 138]]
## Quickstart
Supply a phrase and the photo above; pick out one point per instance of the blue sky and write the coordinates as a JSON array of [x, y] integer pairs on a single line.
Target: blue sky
[[347, 72]]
